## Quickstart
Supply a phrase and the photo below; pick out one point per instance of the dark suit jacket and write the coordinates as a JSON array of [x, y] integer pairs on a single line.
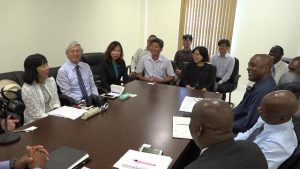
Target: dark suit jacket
[[111, 76], [231, 155]]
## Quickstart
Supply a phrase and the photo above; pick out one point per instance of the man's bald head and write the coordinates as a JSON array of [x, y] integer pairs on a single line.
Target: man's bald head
[[278, 107], [259, 67], [211, 122]]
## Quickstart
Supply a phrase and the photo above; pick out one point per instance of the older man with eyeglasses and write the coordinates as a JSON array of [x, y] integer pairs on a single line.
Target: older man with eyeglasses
[[75, 78]]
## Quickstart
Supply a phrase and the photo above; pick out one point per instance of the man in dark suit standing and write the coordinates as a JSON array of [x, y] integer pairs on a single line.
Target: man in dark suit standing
[[211, 129]]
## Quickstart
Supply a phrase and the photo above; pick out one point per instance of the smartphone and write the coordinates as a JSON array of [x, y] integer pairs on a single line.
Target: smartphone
[[151, 150]]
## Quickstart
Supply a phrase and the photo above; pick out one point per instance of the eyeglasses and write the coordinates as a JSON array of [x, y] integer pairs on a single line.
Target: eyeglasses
[[76, 51]]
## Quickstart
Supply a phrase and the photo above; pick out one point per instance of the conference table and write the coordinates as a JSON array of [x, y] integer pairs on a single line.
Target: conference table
[[146, 118]]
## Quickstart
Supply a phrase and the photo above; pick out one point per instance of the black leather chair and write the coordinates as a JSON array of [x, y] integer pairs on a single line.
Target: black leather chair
[[294, 161], [64, 99], [17, 104], [286, 60], [233, 80], [96, 61], [290, 81]]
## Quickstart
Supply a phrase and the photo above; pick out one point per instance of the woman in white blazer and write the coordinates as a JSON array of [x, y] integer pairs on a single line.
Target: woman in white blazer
[[39, 92]]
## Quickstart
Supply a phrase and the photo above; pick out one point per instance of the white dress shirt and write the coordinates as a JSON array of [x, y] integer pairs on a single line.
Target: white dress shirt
[[280, 69], [277, 142]]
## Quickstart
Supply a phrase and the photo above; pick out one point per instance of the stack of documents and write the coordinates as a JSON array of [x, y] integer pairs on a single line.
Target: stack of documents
[[67, 112], [140, 160], [188, 103], [181, 127]]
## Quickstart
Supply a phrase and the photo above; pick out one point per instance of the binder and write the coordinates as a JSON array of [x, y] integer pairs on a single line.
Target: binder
[[67, 158]]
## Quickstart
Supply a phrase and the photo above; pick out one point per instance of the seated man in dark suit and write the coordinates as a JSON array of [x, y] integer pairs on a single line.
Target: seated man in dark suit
[[259, 71], [211, 129], [274, 130]]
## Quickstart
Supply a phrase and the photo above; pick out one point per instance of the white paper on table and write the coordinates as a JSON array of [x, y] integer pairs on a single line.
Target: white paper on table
[[136, 159], [181, 127], [116, 90], [188, 103], [68, 112]]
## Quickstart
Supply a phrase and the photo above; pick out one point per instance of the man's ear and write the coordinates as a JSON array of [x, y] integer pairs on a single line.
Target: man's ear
[[199, 130]]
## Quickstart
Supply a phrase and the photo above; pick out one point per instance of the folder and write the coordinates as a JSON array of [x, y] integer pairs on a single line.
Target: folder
[[67, 158]]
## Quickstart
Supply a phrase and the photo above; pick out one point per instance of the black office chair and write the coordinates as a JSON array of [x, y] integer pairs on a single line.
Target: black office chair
[[96, 61], [294, 161], [64, 99], [286, 60], [290, 81], [233, 80]]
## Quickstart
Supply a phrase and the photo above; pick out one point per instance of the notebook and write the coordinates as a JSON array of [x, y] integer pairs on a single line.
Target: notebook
[[67, 158]]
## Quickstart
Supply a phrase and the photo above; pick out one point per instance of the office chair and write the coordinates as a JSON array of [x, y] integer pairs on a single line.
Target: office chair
[[97, 62], [64, 99], [290, 81], [233, 80]]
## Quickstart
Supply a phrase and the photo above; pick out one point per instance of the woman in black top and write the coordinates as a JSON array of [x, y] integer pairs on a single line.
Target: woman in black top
[[115, 65], [199, 74]]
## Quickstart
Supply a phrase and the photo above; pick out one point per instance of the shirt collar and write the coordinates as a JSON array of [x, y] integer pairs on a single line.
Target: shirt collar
[[160, 58], [72, 65], [227, 55], [277, 127]]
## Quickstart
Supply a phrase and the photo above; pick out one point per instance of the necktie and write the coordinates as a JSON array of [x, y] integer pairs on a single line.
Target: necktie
[[81, 84], [273, 71], [255, 133]]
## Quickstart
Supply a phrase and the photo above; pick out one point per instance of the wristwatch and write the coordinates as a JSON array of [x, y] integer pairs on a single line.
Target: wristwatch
[[12, 163]]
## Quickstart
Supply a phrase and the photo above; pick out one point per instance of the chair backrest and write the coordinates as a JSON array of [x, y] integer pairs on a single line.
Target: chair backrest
[[16, 76], [53, 71], [235, 71], [290, 81], [173, 65], [295, 158], [286, 60], [96, 61]]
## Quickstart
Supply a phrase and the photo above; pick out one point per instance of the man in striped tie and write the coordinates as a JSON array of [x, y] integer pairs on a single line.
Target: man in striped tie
[[75, 78], [274, 130]]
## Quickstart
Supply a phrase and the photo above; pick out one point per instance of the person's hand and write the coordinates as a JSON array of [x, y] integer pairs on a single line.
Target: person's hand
[[132, 74], [189, 87], [11, 123], [178, 72], [157, 80], [204, 89], [35, 155], [150, 79], [39, 160]]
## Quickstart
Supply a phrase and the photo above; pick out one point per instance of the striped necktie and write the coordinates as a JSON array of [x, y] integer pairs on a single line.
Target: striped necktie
[[81, 84], [255, 133]]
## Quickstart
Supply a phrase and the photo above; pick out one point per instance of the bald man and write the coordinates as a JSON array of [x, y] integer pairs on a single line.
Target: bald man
[[259, 71], [294, 65], [211, 129], [276, 137]]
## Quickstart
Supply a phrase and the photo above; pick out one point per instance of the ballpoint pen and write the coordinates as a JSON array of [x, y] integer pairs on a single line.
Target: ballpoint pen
[[143, 162]]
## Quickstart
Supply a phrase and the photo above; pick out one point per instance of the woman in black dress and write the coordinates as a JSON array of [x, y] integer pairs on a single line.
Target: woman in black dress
[[199, 74], [115, 70]]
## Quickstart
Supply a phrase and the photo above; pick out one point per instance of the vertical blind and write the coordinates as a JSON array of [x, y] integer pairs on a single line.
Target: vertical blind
[[207, 21]]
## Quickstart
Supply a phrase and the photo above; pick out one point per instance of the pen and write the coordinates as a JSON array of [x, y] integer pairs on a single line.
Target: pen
[[143, 162], [182, 124]]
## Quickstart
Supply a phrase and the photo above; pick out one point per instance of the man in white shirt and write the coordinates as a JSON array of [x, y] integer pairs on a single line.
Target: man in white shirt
[[274, 131], [280, 67], [156, 68], [138, 55], [75, 78], [224, 63]]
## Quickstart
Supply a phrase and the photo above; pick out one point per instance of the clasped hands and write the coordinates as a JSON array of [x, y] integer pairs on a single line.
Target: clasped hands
[[35, 157]]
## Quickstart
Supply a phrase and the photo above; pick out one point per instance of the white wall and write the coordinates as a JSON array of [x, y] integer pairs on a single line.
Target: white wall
[[46, 27], [261, 24], [163, 21]]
